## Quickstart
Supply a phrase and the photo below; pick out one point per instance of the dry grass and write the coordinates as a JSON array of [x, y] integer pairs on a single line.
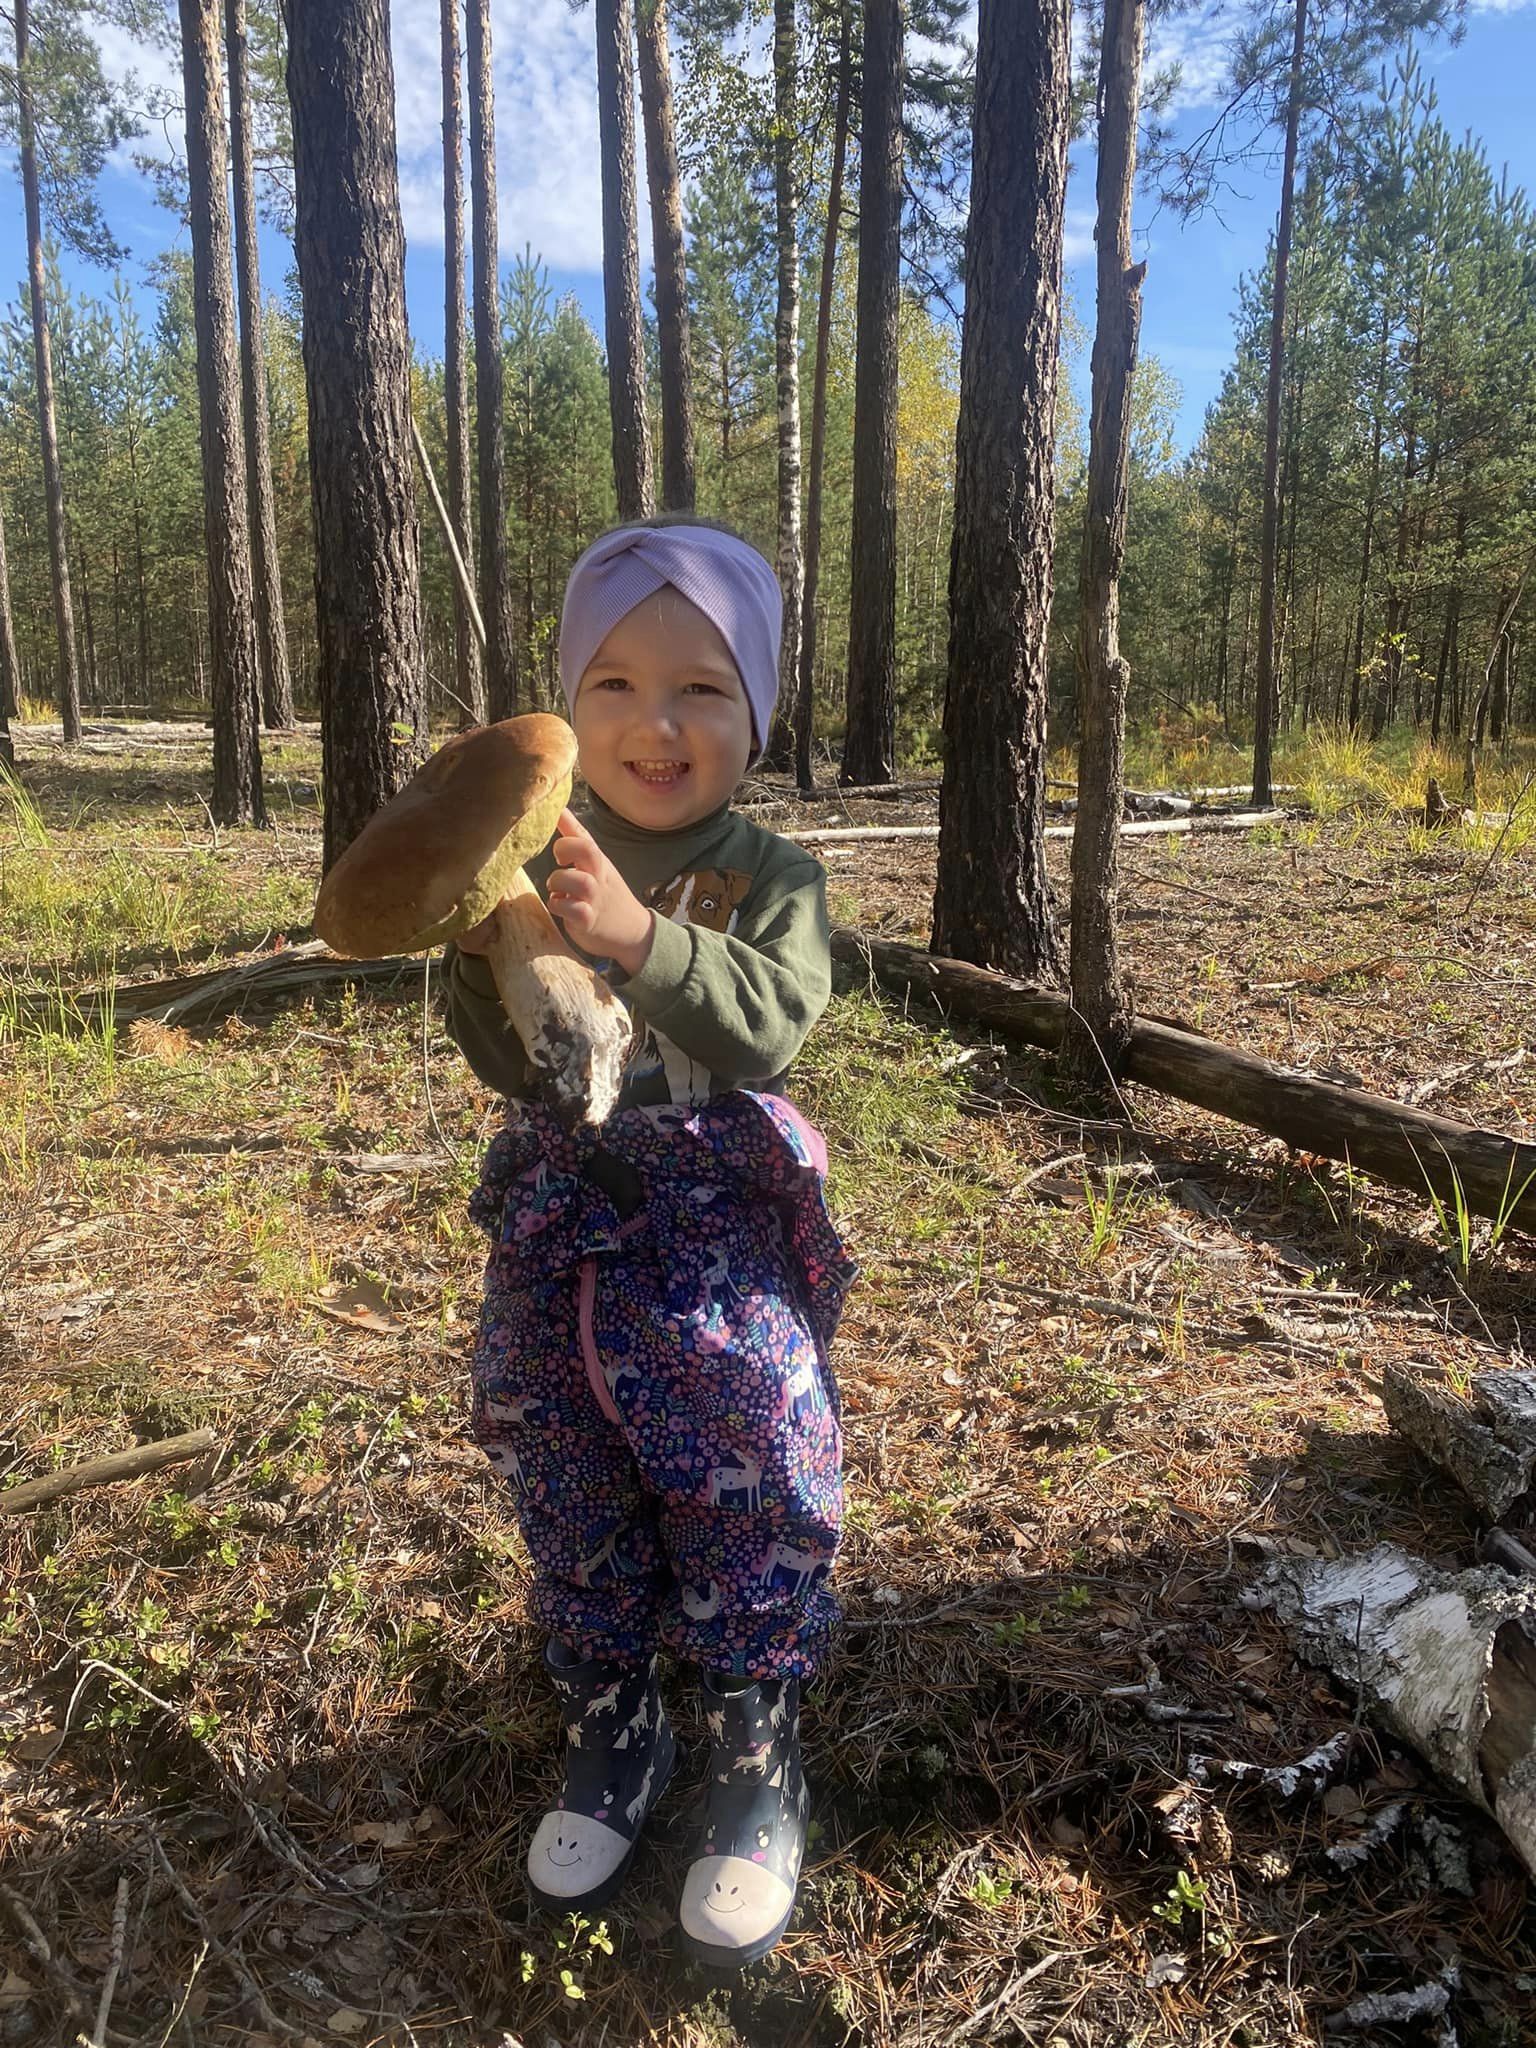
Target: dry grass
[[292, 1697]]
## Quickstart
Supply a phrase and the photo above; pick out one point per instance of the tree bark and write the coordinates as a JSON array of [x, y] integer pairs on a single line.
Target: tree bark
[[47, 411], [786, 357], [236, 670], [1410, 1148], [993, 902], [1102, 1021], [623, 327], [805, 697], [1483, 1436], [1264, 706], [271, 629], [469, 671], [495, 571], [671, 269], [357, 368], [869, 743], [130, 1464], [10, 667]]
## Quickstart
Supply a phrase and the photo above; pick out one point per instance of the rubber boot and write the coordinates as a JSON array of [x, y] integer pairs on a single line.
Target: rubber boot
[[740, 1890], [619, 1754]]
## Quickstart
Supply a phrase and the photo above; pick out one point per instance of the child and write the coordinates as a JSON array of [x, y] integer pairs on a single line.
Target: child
[[651, 1373]]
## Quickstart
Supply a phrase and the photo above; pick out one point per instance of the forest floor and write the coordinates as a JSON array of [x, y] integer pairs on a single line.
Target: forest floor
[[292, 1697]]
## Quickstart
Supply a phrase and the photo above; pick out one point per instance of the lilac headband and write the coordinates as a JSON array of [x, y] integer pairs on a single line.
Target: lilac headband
[[726, 578]]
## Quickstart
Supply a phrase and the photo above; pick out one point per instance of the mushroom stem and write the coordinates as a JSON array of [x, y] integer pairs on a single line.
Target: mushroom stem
[[573, 1027]]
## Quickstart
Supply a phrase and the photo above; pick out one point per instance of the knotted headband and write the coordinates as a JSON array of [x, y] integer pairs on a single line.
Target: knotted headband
[[724, 576]]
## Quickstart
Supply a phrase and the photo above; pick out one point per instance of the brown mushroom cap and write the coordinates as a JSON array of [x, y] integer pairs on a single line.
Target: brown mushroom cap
[[442, 853]]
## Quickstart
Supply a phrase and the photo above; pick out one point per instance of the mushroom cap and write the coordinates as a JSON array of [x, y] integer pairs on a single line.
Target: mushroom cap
[[442, 853]]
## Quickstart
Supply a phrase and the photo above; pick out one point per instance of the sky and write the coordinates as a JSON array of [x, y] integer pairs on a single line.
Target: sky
[[548, 186]]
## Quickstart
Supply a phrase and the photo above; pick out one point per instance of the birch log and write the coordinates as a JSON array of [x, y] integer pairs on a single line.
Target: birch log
[[1485, 1438], [1448, 1662]]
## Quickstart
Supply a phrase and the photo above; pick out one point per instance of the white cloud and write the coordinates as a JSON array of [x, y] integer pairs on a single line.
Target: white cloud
[[1077, 237], [1199, 43]]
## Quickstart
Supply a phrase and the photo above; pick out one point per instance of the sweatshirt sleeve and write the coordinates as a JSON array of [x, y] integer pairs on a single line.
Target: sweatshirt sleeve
[[742, 1003], [480, 1027]]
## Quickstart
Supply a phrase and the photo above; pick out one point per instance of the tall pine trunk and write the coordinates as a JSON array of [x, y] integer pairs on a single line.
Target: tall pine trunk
[[1269, 540], [10, 672], [469, 672], [271, 629], [671, 268], [1373, 486], [1101, 1010], [786, 363], [992, 905], [47, 412], [236, 669], [495, 569], [805, 696], [357, 372], [623, 329], [869, 744]]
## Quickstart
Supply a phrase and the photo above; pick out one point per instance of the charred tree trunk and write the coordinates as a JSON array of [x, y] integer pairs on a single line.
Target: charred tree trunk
[[357, 369], [1269, 548], [1102, 1010], [623, 327], [786, 356], [993, 903], [495, 573], [869, 744], [47, 410], [805, 698], [469, 671], [237, 797], [666, 188], [271, 631]]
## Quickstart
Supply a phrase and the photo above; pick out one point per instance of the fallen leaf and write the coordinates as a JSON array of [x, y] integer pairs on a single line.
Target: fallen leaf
[[383, 1834], [1066, 1834], [14, 1990], [359, 1301], [167, 1043], [1342, 1802], [433, 1825], [1166, 1969], [362, 1877], [38, 1746], [346, 2019]]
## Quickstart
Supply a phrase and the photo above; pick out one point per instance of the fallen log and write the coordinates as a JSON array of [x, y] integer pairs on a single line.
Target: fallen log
[[1139, 828], [130, 1464], [1410, 1148], [1484, 1438], [1448, 1661]]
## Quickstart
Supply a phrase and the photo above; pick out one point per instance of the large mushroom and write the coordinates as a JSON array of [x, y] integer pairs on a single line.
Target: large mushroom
[[448, 852]]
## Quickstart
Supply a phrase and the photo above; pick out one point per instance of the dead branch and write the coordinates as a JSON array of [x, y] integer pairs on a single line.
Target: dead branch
[[1485, 1438], [130, 1464], [1142, 828], [1410, 1148]]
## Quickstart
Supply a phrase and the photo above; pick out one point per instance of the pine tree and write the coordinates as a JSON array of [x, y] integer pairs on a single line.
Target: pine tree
[[469, 672], [235, 663], [623, 323], [351, 257], [992, 903], [670, 258], [495, 574], [869, 742]]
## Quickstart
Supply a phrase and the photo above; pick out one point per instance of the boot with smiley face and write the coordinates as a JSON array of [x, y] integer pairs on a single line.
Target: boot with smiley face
[[740, 1890], [619, 1754]]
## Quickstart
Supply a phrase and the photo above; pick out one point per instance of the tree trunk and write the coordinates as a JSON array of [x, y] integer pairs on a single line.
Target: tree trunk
[[271, 631], [357, 368], [805, 699], [1378, 429], [1102, 1009], [786, 356], [1483, 1434], [869, 743], [671, 269], [47, 415], [1264, 709], [495, 573], [469, 671], [993, 902], [622, 324], [237, 797], [10, 669]]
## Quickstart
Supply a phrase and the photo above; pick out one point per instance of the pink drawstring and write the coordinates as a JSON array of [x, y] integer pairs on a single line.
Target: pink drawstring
[[589, 1342]]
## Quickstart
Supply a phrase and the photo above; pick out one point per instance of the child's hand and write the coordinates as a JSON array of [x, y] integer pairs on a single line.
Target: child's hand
[[594, 903]]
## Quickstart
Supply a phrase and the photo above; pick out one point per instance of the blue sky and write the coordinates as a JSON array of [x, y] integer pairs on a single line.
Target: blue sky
[[548, 171]]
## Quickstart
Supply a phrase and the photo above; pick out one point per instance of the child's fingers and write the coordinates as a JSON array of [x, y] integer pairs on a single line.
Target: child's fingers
[[571, 885], [575, 846]]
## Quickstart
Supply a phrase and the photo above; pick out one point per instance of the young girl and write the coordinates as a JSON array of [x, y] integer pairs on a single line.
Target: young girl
[[651, 1373]]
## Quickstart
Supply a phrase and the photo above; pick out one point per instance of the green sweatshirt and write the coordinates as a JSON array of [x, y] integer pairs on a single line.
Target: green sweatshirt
[[739, 968]]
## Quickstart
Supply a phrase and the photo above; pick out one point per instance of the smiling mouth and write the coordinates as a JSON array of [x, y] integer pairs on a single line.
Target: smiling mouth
[[724, 1909], [658, 774], [565, 1862]]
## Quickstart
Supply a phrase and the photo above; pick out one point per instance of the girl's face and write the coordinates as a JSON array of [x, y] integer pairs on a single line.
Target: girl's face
[[663, 727]]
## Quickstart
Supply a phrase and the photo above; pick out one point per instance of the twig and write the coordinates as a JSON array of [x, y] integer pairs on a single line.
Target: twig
[[114, 1965], [231, 1959], [1006, 1997], [130, 1464], [186, 1997], [37, 1947]]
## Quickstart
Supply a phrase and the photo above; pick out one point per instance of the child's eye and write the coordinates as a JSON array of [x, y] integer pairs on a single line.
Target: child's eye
[[611, 683], [707, 689]]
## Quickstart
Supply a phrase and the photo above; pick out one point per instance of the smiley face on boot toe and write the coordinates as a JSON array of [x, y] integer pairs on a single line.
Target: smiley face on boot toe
[[721, 1900]]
